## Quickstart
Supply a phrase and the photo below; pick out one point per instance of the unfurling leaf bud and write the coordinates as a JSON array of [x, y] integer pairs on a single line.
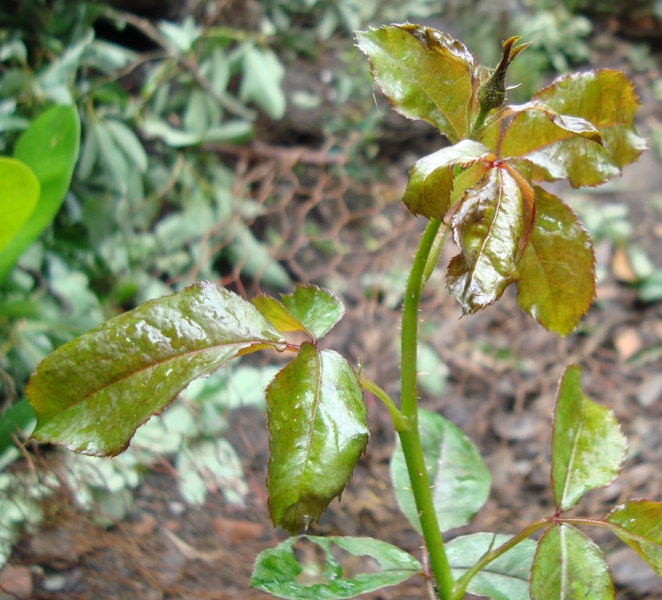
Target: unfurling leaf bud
[[492, 93]]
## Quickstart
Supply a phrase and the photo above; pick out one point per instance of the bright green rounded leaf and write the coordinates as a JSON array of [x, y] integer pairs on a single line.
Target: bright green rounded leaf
[[308, 309], [425, 74], [50, 148], [489, 227], [431, 178], [318, 429], [569, 565], [505, 578], [19, 193], [639, 524], [91, 394], [604, 98], [588, 447], [557, 270], [278, 572], [459, 478]]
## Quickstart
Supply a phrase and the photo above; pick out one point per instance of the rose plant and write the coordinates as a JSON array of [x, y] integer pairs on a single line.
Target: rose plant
[[485, 190]]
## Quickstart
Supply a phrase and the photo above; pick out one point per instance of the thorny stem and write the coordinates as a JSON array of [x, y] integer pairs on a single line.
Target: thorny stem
[[410, 439]]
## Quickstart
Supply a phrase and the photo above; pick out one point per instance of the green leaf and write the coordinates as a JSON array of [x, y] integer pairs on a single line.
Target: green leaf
[[278, 573], [432, 177], [588, 448], [604, 98], [569, 565], [317, 309], [318, 429], [425, 74], [19, 193], [49, 147], [261, 81], [490, 226], [639, 524], [506, 578], [308, 309], [91, 394], [458, 476], [557, 270], [573, 125], [154, 127]]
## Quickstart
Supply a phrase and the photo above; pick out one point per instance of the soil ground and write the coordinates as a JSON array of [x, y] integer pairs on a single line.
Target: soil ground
[[503, 371]]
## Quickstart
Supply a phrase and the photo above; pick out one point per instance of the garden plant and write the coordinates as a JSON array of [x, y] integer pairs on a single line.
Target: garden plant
[[485, 191]]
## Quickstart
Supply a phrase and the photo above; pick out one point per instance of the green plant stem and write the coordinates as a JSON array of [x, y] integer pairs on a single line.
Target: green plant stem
[[435, 253], [410, 439], [462, 583], [399, 422]]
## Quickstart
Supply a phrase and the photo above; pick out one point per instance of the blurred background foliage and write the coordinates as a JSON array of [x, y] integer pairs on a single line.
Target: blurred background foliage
[[168, 94]]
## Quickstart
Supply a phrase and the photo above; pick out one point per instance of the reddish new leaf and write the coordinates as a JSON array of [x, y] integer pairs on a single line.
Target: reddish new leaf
[[425, 74], [318, 429], [639, 524], [431, 179], [604, 98], [557, 270], [93, 393], [490, 227]]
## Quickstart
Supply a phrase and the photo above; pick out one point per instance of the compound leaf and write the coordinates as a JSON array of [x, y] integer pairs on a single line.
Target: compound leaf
[[278, 572], [505, 578], [557, 270], [318, 429], [458, 476], [431, 178], [91, 394], [425, 74], [490, 227], [639, 524], [567, 564], [588, 448], [606, 99]]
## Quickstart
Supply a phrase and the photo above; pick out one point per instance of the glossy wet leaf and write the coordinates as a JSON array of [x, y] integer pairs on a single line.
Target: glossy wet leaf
[[505, 578], [19, 193], [50, 148], [458, 476], [489, 227], [604, 98], [639, 524], [308, 309], [588, 447], [91, 394], [572, 125], [432, 177], [425, 74], [569, 565], [278, 572], [557, 270], [318, 430]]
